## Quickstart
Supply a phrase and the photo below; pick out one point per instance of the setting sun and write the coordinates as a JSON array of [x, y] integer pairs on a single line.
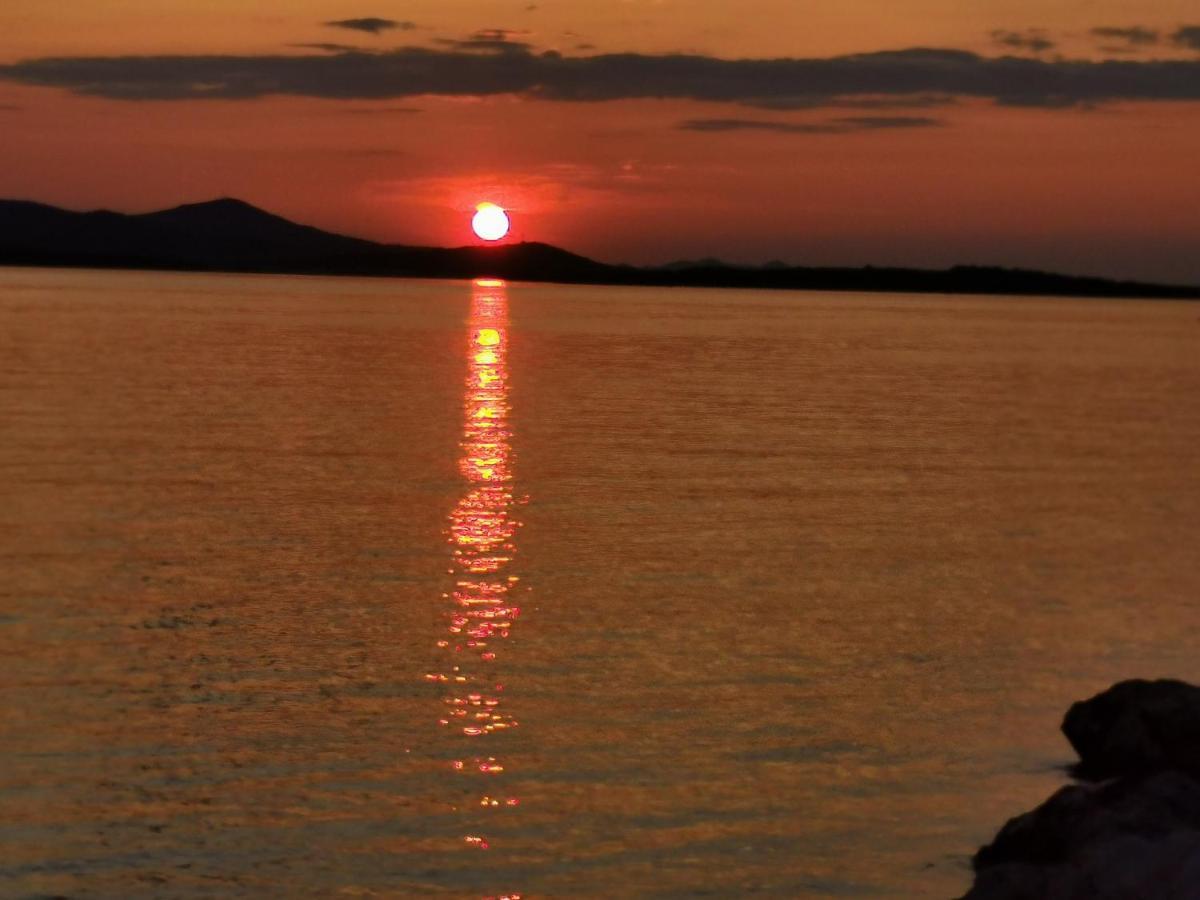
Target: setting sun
[[490, 222]]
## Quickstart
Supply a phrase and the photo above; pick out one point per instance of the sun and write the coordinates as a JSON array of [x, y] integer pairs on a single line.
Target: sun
[[490, 222]]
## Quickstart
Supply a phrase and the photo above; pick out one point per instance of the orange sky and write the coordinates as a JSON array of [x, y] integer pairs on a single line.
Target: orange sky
[[1093, 185]]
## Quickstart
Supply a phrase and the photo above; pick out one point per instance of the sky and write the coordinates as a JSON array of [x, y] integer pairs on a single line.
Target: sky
[[1055, 134]]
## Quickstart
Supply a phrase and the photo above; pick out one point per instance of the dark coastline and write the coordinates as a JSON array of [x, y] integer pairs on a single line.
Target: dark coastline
[[231, 236]]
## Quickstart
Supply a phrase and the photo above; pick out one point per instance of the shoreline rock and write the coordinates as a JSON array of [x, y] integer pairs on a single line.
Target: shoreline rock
[[1136, 727], [1131, 828]]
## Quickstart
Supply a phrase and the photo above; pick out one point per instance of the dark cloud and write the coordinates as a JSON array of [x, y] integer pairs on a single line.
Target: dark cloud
[[1032, 39], [412, 72], [371, 25], [1133, 37], [833, 126], [9, 107], [1188, 36]]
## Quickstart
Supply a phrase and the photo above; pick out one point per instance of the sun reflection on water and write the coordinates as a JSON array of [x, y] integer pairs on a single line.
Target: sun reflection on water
[[481, 609]]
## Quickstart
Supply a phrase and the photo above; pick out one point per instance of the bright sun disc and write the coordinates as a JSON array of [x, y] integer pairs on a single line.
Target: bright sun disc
[[490, 222]]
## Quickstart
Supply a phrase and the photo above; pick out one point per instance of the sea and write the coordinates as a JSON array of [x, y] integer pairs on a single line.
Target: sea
[[374, 588]]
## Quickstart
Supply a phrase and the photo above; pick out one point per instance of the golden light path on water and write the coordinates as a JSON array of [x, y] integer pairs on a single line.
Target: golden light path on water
[[481, 613]]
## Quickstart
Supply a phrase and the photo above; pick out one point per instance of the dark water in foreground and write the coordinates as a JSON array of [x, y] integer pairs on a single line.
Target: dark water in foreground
[[786, 593]]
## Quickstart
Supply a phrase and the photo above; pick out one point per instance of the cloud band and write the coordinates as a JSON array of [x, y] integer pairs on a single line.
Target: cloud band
[[771, 83]]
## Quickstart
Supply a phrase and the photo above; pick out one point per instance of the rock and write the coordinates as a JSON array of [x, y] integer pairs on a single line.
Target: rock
[[1133, 836], [1136, 727], [1120, 867], [1078, 817]]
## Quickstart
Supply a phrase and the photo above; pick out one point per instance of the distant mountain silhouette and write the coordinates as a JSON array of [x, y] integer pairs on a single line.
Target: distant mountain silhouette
[[229, 235], [708, 262]]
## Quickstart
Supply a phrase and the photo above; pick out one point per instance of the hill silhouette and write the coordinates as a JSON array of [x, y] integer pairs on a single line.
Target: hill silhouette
[[229, 235]]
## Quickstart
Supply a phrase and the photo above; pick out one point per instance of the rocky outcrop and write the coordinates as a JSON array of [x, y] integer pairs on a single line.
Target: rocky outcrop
[[1134, 834], [1136, 727]]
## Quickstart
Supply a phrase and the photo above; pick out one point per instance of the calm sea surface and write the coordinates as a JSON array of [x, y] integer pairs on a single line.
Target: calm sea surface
[[376, 588]]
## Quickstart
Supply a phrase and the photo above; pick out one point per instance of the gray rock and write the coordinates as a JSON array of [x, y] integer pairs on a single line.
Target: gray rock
[[1136, 727]]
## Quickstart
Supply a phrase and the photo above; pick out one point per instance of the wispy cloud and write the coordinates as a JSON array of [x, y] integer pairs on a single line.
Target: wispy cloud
[[1032, 39], [1126, 40], [860, 101], [801, 82], [371, 25], [380, 110], [331, 48], [500, 34], [1135, 35], [832, 126], [481, 45], [498, 40], [1188, 36], [873, 123]]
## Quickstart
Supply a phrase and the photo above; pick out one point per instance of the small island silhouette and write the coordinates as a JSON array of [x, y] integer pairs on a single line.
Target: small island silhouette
[[229, 235]]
